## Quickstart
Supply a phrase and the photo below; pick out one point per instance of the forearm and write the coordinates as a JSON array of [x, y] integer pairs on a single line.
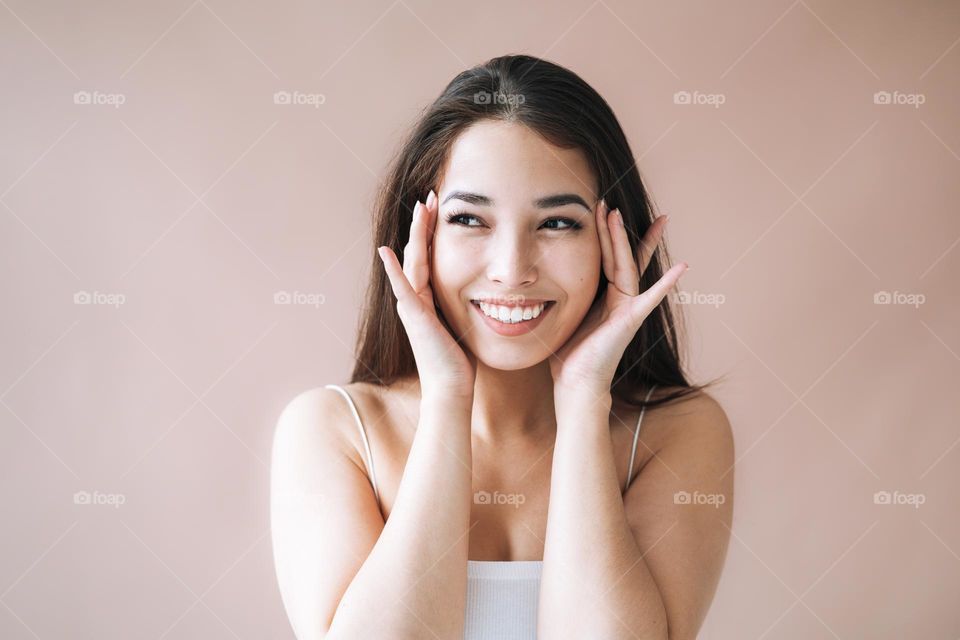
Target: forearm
[[595, 581], [413, 582]]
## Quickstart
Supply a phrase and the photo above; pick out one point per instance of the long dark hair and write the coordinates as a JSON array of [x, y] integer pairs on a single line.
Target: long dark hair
[[565, 110]]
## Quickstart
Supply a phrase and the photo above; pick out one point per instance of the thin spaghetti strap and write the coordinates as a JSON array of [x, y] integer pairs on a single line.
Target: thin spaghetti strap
[[636, 435], [363, 436]]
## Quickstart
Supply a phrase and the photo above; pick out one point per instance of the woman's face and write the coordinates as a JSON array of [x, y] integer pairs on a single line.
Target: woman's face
[[515, 238]]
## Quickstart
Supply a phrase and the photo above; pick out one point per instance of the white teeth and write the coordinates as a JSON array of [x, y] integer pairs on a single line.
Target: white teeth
[[511, 315]]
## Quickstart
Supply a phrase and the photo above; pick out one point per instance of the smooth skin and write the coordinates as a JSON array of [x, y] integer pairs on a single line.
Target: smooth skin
[[636, 565]]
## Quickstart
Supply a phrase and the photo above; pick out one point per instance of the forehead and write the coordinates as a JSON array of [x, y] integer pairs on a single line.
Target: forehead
[[510, 159]]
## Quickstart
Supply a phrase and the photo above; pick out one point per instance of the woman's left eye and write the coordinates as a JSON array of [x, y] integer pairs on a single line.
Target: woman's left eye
[[458, 218], [571, 224]]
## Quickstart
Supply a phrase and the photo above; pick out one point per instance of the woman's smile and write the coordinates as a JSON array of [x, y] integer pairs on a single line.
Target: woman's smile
[[513, 320]]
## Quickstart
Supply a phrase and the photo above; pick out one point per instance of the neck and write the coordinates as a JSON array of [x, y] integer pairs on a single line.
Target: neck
[[513, 404]]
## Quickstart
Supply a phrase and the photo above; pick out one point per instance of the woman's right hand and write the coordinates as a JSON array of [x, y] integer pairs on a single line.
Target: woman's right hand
[[444, 368]]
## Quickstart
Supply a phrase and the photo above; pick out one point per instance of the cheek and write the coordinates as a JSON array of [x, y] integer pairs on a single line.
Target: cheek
[[577, 270], [449, 271]]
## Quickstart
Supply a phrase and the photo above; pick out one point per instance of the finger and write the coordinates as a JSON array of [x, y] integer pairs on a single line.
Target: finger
[[625, 274], [606, 245], [650, 241], [398, 279], [645, 303], [431, 213], [415, 252], [433, 208]]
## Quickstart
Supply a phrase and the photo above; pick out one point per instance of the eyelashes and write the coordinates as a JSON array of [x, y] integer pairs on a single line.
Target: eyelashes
[[458, 218]]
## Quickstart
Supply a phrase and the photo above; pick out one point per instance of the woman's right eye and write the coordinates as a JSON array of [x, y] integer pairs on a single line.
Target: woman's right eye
[[462, 219]]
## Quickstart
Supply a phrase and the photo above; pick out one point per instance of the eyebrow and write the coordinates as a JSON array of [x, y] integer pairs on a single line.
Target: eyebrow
[[548, 202]]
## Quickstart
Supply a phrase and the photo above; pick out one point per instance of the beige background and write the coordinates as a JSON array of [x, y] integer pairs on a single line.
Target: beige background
[[197, 199]]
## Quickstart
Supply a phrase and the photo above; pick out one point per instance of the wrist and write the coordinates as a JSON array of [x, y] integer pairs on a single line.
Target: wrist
[[445, 401], [583, 398], [444, 416], [447, 391]]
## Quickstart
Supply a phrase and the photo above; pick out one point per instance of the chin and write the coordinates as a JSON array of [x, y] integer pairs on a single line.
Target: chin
[[510, 358]]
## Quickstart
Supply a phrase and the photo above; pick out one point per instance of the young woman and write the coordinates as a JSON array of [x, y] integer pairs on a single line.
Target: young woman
[[484, 474]]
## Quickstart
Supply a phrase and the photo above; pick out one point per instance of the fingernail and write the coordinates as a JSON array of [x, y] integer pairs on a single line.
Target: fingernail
[[416, 209], [603, 205], [619, 217], [380, 253], [431, 199]]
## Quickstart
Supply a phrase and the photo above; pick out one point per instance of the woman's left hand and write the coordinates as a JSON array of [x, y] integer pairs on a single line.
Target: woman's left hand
[[591, 355]]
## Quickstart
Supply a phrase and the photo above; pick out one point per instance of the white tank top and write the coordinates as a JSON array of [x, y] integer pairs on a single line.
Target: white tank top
[[502, 595]]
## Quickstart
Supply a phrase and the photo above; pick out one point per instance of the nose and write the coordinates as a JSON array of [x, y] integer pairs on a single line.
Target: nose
[[512, 262]]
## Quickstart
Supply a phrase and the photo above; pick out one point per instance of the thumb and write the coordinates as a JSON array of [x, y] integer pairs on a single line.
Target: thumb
[[398, 280], [646, 302]]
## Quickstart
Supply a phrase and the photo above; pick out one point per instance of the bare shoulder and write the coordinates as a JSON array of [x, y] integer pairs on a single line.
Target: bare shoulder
[[324, 416], [306, 417], [695, 419], [317, 418]]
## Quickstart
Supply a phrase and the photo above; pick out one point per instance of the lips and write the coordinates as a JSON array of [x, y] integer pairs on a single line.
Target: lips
[[513, 329]]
